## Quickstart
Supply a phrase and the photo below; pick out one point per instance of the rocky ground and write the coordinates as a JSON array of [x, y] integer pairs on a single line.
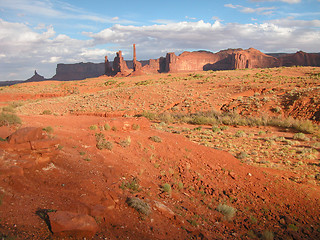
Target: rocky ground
[[118, 158]]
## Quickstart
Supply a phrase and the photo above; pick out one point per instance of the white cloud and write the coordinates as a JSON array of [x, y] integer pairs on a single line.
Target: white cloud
[[261, 10]]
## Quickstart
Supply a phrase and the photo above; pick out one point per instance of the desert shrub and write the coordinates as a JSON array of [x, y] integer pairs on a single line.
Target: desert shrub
[[48, 129], [242, 155], [110, 82], [240, 133], [300, 136], [224, 128], [135, 126], [276, 109], [227, 211], [46, 112], [126, 142], [102, 143], [166, 117], [155, 139], [9, 119], [216, 129], [133, 185], [149, 115], [93, 127], [9, 109], [107, 127], [166, 188], [180, 185], [267, 235], [139, 205], [305, 126]]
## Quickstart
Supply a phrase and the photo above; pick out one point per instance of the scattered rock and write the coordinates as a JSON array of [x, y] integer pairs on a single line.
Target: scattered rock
[[69, 224], [26, 134], [163, 209]]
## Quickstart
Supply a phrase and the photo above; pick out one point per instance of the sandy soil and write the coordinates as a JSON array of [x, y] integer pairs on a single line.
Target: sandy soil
[[274, 188]]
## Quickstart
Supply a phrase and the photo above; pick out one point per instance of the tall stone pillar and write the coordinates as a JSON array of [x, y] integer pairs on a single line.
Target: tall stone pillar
[[108, 68], [136, 64]]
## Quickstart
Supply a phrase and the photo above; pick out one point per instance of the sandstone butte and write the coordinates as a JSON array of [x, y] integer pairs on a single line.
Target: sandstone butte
[[187, 61]]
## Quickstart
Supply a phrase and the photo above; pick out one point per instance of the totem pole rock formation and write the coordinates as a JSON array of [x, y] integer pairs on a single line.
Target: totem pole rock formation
[[108, 68], [136, 65], [119, 65]]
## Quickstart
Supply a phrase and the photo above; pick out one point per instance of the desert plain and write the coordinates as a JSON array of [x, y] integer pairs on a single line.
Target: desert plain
[[192, 155]]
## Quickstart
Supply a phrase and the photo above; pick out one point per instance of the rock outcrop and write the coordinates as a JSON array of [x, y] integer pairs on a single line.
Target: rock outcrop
[[119, 65], [36, 77], [223, 60], [187, 61], [252, 58], [108, 68], [300, 59], [78, 71], [66, 224], [136, 65]]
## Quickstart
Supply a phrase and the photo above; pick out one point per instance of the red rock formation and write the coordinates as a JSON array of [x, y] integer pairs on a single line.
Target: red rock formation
[[78, 71], [136, 65], [65, 224], [223, 60], [119, 65], [108, 68], [252, 58], [300, 59]]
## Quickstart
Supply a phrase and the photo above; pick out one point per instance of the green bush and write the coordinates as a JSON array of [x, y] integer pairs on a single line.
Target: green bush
[[240, 133], [166, 188], [133, 185], [300, 136], [107, 127], [93, 127], [9, 119], [48, 129]]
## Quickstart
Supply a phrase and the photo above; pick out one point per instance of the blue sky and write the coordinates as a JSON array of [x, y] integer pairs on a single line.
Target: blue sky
[[38, 34]]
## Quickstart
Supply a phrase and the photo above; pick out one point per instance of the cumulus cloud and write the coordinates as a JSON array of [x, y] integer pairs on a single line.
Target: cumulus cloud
[[277, 35], [24, 49], [261, 10]]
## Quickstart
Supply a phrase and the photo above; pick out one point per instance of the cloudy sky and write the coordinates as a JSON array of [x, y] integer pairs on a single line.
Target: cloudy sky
[[38, 34]]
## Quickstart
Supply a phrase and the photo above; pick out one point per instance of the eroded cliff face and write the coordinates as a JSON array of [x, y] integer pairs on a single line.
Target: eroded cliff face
[[300, 59], [223, 60], [252, 58], [187, 61], [78, 71]]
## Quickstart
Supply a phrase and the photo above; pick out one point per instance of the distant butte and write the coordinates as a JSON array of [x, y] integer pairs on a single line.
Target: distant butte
[[187, 61]]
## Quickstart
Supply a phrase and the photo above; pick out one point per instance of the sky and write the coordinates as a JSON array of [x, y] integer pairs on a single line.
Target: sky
[[39, 34]]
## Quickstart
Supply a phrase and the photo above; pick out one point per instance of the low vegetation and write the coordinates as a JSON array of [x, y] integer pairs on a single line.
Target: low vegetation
[[215, 118], [102, 143], [139, 205], [7, 119], [227, 211]]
